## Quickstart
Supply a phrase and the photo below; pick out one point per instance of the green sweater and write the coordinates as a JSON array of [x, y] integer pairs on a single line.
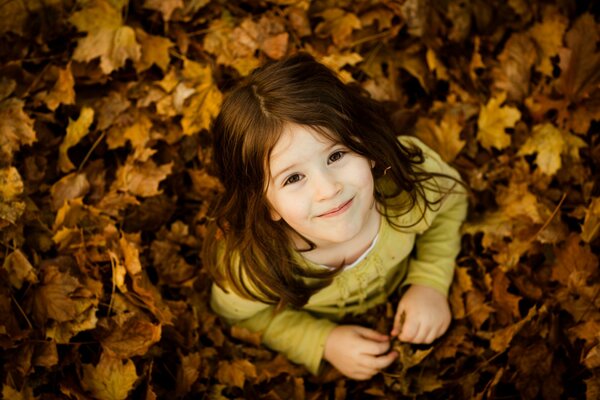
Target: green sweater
[[301, 334]]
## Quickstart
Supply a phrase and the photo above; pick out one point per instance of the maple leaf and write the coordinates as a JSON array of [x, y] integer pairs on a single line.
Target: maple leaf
[[188, 371], [111, 379], [63, 91], [129, 335], [443, 137], [234, 373], [155, 50], [237, 52], [26, 393], [501, 338], [548, 37], [575, 264], [55, 296], [165, 7], [580, 61], [16, 128], [76, 130], [338, 24], [138, 133], [205, 103], [106, 38], [141, 179], [493, 121], [19, 269], [550, 143], [63, 332], [513, 75]]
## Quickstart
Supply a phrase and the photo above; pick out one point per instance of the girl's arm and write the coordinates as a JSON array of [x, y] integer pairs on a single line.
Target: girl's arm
[[431, 270], [297, 334]]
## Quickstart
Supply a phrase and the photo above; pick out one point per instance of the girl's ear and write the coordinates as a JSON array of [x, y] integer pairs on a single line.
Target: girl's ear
[[274, 214], [372, 164]]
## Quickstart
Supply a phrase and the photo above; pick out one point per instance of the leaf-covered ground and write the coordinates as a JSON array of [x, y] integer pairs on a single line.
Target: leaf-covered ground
[[105, 184]]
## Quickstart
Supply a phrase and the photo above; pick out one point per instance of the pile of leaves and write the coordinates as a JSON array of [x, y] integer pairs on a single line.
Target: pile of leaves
[[105, 187]]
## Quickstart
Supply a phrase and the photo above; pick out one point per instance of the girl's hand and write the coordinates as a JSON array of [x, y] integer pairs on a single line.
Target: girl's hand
[[427, 315], [358, 352]]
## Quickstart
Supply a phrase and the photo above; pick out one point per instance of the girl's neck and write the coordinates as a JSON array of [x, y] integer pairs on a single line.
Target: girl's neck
[[341, 254]]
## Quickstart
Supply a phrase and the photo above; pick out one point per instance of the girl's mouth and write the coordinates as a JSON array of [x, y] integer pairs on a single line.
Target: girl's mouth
[[338, 210]]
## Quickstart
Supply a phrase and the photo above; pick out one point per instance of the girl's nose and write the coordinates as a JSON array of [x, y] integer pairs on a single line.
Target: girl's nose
[[326, 185]]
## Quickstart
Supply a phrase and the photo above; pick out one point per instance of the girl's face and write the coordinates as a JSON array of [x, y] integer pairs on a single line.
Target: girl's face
[[320, 188]]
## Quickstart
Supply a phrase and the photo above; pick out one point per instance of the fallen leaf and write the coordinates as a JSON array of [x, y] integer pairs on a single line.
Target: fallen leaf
[[188, 372], [141, 179], [550, 143], [591, 223], [11, 185], [575, 263], [165, 7], [106, 38], [63, 91], [76, 130], [501, 338], [548, 36], [443, 137], [111, 379], [26, 393], [513, 74], [56, 296], [19, 269], [16, 128], [129, 335], [235, 373], [338, 24], [493, 121], [205, 104], [155, 51], [69, 187]]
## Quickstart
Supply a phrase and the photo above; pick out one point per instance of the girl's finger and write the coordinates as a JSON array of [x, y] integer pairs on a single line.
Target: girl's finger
[[374, 348], [383, 361], [372, 334], [398, 322]]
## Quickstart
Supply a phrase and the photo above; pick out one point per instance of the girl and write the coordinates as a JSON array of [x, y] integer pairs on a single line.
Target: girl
[[322, 207]]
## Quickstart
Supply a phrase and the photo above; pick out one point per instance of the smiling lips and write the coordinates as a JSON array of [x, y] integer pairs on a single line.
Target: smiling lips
[[339, 210]]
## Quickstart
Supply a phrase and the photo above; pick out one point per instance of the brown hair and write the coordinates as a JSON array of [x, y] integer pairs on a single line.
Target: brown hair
[[245, 249]]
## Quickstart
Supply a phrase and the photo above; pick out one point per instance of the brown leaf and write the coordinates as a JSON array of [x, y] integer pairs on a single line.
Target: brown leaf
[[106, 38], [575, 264], [188, 371], [205, 104], [591, 223], [548, 37], [19, 269], [26, 393], [244, 334], [513, 75], [506, 303], [165, 7], [580, 61], [55, 296], [69, 187], [110, 379], [235, 373], [141, 179], [129, 335], [63, 91], [45, 355], [16, 128], [501, 338], [443, 137]]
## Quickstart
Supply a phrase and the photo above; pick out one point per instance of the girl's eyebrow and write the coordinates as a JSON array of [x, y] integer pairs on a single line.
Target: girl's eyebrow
[[292, 166]]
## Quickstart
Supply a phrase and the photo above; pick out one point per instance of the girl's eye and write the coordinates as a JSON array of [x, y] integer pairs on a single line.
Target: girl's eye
[[292, 179], [336, 156]]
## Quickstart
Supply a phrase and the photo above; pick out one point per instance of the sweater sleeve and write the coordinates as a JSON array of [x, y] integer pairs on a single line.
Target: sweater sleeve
[[438, 245], [297, 334]]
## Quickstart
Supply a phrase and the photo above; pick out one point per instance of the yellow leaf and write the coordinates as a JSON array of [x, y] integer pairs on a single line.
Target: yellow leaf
[[16, 128], [111, 379], [188, 372], [155, 50], [8, 392], [591, 223], [493, 120], [131, 254], [443, 137], [19, 269], [234, 373], [55, 297], [63, 332], [107, 37], [63, 91], [11, 184], [141, 179], [165, 7], [138, 133], [550, 143], [336, 61], [338, 24], [76, 130], [205, 104], [548, 36]]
